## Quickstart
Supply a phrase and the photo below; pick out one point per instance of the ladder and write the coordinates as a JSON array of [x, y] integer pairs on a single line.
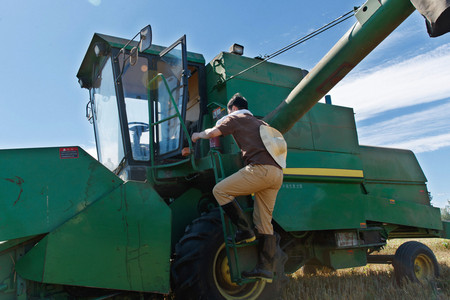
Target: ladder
[[228, 228]]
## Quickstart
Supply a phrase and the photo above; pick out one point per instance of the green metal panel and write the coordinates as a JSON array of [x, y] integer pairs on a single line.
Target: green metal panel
[[446, 230], [347, 258], [266, 73], [42, 188], [416, 193], [317, 159], [263, 86], [32, 265], [397, 193], [121, 241], [325, 128], [400, 212], [333, 128], [383, 164], [310, 190], [304, 206], [300, 135], [262, 98], [183, 212], [325, 196]]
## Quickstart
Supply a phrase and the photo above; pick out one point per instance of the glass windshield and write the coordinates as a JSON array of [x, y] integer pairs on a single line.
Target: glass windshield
[[135, 80], [140, 83], [106, 119], [169, 98]]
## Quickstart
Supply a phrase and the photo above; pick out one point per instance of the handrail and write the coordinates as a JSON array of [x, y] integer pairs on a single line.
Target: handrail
[[214, 153]]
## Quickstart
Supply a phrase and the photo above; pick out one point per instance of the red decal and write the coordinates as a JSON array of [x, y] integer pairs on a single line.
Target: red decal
[[68, 152]]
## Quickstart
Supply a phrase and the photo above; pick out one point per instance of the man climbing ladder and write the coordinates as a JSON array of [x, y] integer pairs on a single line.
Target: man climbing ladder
[[264, 153]]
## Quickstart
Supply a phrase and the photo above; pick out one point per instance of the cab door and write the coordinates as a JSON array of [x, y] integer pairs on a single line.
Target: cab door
[[169, 98]]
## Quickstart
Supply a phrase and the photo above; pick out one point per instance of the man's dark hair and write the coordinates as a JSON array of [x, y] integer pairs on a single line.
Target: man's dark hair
[[239, 101]]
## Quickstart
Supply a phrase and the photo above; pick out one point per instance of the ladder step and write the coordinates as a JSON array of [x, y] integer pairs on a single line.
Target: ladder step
[[233, 245]]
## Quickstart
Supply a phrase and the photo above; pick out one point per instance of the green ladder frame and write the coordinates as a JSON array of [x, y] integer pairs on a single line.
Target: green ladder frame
[[227, 227]]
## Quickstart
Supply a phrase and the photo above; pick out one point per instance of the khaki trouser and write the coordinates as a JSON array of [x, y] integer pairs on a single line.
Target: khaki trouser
[[262, 180]]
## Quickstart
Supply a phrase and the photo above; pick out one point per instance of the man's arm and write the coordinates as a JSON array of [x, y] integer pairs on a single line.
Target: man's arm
[[206, 134]]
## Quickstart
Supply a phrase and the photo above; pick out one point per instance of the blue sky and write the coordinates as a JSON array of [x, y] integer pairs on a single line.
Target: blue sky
[[400, 92]]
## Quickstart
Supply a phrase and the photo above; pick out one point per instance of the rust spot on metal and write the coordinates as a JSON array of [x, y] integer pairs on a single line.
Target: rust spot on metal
[[17, 180]]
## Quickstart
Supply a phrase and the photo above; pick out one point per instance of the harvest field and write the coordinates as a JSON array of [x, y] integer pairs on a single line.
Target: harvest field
[[374, 281]]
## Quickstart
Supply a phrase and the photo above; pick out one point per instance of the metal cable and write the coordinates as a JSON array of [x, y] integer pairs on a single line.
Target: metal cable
[[301, 40]]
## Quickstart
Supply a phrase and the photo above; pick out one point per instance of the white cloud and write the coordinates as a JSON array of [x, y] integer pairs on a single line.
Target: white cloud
[[425, 130], [420, 132], [95, 2], [425, 144], [422, 79]]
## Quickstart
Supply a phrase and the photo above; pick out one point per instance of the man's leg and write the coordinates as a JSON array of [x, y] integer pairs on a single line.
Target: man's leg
[[246, 181], [263, 209], [265, 200], [243, 182], [262, 217]]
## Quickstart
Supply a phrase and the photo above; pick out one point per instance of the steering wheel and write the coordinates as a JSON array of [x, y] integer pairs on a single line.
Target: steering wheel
[[138, 127]]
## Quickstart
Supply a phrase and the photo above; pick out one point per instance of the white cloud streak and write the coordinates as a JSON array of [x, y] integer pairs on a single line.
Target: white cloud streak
[[422, 79], [95, 2], [422, 131]]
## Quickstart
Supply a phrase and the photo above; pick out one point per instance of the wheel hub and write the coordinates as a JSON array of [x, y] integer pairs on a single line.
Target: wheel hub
[[227, 288], [225, 272], [423, 267]]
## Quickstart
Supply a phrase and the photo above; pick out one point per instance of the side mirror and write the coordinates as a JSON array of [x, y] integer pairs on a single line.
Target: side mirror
[[144, 43], [146, 38]]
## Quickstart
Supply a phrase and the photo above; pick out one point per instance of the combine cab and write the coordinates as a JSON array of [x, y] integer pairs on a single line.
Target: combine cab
[[141, 221]]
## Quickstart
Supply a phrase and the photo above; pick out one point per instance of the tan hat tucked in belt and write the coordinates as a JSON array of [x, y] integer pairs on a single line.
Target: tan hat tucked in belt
[[275, 144]]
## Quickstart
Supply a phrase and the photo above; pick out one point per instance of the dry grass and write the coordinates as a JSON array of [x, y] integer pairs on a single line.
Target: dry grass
[[373, 281]]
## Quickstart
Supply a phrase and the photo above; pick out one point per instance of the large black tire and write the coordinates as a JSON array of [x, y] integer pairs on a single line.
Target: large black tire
[[415, 262], [200, 267]]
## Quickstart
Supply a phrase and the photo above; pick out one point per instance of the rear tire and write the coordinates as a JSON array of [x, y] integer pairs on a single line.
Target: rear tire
[[200, 268], [415, 262]]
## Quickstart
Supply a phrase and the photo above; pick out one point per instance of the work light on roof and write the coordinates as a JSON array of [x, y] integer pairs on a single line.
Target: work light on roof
[[237, 49]]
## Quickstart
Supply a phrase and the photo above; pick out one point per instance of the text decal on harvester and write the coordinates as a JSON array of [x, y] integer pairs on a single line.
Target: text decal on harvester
[[68, 152]]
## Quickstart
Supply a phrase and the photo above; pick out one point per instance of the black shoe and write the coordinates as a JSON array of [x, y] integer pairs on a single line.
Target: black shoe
[[242, 237], [258, 273], [267, 247], [244, 233]]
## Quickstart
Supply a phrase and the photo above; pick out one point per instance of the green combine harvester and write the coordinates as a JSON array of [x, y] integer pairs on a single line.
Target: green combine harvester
[[141, 221]]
